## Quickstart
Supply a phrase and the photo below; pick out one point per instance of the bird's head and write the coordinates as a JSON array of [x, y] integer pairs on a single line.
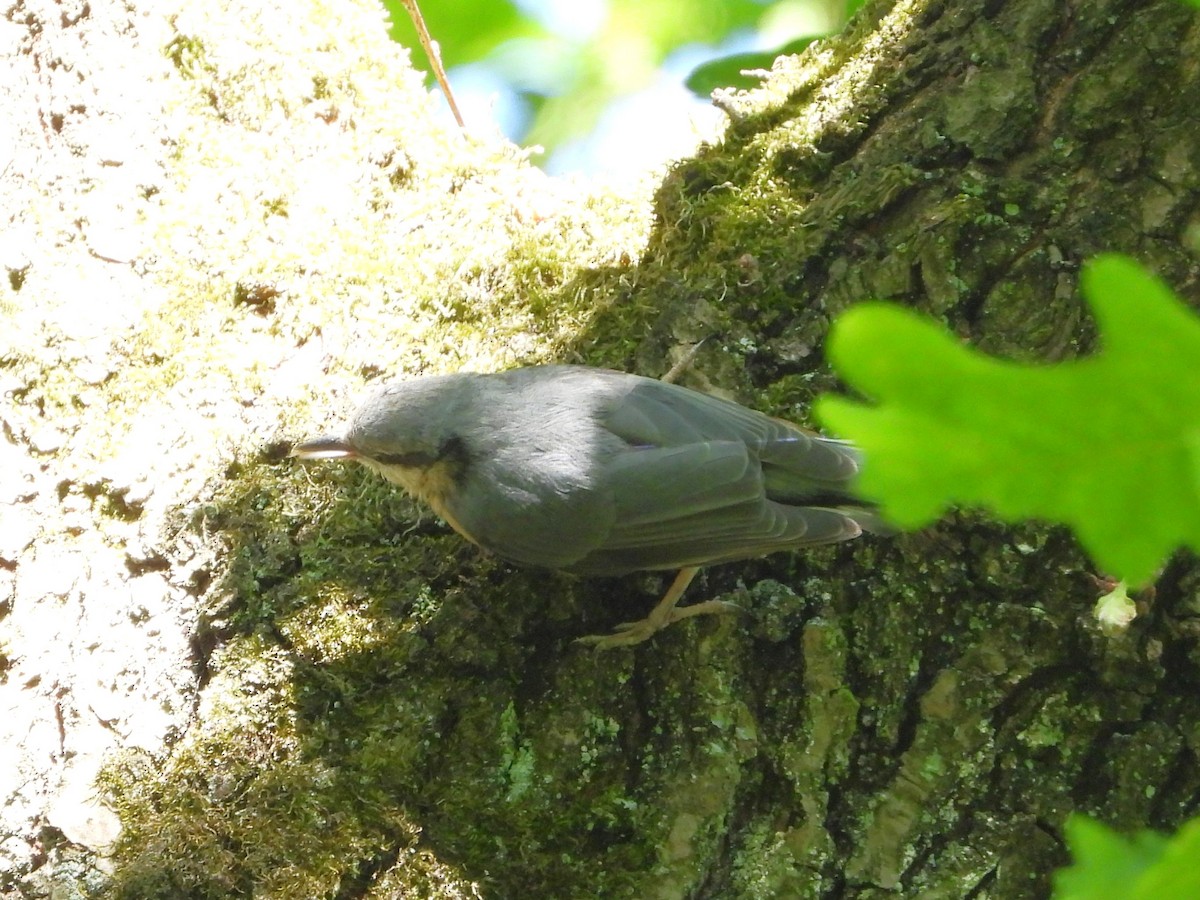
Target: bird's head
[[402, 430]]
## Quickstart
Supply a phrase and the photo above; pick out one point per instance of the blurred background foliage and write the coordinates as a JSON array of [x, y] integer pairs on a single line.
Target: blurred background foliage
[[608, 86]]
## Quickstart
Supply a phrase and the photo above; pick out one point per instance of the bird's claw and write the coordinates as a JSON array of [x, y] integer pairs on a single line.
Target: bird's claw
[[629, 633]]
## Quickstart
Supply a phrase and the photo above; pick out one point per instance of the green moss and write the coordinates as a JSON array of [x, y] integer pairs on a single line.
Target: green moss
[[188, 55]]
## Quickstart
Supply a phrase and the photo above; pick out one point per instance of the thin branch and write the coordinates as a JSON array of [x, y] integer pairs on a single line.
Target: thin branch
[[435, 57]]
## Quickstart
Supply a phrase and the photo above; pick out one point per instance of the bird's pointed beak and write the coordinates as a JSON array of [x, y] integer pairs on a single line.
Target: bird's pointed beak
[[325, 447]]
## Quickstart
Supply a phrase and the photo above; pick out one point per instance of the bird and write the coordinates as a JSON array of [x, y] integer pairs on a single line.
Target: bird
[[603, 473]]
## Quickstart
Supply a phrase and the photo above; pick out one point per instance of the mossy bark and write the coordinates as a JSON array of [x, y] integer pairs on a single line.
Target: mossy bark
[[380, 711]]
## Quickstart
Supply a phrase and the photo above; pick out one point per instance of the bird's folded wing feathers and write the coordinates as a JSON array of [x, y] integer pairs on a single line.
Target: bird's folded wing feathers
[[794, 462], [797, 466], [699, 504]]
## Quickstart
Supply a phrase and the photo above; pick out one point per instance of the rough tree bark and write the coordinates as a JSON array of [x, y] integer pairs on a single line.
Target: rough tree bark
[[379, 711]]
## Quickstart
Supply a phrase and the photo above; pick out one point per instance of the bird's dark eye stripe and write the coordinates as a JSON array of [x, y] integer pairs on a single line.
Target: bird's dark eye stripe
[[453, 451], [406, 460]]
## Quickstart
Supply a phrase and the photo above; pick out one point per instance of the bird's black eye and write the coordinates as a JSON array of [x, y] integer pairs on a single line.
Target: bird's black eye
[[453, 450]]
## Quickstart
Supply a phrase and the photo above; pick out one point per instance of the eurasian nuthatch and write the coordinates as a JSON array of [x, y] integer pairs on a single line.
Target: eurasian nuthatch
[[602, 473]]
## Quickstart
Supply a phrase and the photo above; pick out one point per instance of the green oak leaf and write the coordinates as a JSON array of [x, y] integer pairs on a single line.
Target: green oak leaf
[[1107, 865], [1108, 444], [1142, 866], [1175, 874]]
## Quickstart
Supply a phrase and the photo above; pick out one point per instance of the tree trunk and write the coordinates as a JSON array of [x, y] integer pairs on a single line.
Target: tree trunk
[[354, 703]]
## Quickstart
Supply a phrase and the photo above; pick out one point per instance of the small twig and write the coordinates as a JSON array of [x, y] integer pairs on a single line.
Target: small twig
[[684, 363], [435, 57]]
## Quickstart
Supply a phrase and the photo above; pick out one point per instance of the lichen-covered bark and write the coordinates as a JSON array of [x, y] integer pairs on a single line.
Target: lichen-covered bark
[[962, 159], [379, 710]]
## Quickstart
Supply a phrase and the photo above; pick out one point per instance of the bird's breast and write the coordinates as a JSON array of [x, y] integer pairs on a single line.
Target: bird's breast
[[434, 485]]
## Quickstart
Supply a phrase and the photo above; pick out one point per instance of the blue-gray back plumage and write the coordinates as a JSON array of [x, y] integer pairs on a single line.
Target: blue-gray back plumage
[[603, 473]]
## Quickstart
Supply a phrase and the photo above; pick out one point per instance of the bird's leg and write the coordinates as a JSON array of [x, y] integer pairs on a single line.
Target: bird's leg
[[666, 612]]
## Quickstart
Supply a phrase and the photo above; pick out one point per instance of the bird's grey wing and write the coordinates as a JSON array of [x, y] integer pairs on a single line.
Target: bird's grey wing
[[698, 504], [795, 464]]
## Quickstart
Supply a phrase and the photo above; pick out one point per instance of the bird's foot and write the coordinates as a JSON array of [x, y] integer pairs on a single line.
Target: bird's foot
[[629, 633]]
